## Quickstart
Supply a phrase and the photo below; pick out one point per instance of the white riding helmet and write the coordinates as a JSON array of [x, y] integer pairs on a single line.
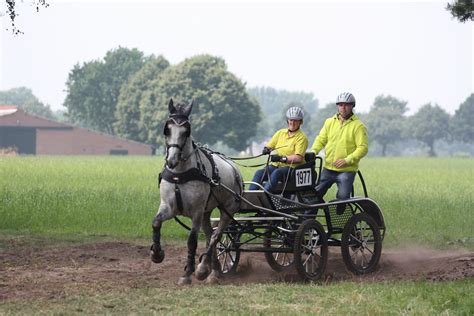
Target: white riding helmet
[[294, 113], [346, 97]]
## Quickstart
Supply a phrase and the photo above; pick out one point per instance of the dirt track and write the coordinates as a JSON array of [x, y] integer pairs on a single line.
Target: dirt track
[[46, 272]]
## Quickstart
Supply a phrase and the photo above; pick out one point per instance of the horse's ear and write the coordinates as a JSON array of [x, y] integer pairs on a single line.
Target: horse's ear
[[187, 108], [171, 107]]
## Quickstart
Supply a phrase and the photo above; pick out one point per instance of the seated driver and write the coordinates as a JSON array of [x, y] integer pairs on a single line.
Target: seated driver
[[290, 145]]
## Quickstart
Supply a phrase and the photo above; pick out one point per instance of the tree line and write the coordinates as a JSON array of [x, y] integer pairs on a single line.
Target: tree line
[[387, 121], [126, 94]]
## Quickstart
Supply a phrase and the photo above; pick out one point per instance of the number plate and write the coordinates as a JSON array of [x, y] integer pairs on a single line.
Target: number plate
[[303, 177]]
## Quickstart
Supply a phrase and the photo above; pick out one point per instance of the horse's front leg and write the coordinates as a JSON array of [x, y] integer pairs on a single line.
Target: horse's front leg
[[192, 246], [156, 253]]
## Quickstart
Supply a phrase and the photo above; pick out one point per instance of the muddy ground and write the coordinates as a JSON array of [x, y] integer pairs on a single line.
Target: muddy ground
[[28, 272]]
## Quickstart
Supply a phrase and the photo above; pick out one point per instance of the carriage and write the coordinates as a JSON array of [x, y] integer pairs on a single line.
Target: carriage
[[294, 228]]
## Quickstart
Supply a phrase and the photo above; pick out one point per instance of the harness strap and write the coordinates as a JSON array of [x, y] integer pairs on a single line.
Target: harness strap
[[179, 200], [183, 177], [215, 172], [181, 223]]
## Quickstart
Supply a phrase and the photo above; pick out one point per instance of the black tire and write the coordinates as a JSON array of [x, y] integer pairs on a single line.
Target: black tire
[[227, 253], [310, 250], [361, 244], [278, 261]]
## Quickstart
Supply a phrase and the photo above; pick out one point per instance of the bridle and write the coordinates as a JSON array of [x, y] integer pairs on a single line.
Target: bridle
[[179, 120]]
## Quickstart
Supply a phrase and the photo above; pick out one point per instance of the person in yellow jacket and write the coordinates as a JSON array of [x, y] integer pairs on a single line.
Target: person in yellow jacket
[[290, 145], [345, 140]]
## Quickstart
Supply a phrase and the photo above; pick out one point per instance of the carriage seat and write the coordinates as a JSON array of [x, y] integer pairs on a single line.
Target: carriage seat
[[302, 177]]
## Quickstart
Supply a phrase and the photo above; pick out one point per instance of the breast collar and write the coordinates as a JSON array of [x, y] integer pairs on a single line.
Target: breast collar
[[198, 173]]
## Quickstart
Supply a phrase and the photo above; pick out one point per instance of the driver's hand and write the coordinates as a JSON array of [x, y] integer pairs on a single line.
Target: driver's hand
[[276, 158], [340, 163], [266, 151]]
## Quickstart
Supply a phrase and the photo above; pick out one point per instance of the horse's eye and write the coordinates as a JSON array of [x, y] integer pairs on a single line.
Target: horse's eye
[[166, 131]]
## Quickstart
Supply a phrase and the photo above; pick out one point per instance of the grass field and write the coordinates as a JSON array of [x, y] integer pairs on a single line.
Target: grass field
[[424, 201], [350, 298]]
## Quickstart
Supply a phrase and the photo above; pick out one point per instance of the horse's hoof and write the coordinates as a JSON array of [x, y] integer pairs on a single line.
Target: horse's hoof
[[184, 281], [157, 256], [202, 271], [213, 278]]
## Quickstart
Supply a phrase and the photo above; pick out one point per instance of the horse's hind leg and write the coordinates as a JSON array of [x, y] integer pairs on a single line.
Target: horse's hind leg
[[216, 266], [192, 246], [215, 275], [204, 267]]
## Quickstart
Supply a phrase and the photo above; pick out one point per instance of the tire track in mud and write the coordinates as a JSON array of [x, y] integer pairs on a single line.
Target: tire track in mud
[[52, 272]]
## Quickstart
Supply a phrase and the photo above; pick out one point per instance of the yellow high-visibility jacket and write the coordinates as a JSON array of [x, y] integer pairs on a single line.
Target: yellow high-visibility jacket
[[348, 141], [286, 145]]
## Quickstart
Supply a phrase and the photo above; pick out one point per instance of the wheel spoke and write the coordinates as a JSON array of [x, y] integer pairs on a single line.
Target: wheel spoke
[[355, 238], [312, 260], [220, 252], [369, 250], [354, 253], [365, 259], [224, 263], [286, 259], [306, 260]]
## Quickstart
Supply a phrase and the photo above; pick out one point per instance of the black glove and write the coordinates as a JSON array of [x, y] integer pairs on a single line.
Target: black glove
[[276, 158], [266, 151]]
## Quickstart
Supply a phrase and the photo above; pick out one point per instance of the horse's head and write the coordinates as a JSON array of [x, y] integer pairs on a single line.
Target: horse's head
[[177, 132]]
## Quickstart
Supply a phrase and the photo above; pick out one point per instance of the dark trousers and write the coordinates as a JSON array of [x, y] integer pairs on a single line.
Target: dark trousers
[[276, 174]]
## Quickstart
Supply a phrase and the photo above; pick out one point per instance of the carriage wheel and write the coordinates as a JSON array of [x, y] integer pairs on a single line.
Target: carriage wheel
[[227, 253], [311, 250], [278, 261], [361, 244]]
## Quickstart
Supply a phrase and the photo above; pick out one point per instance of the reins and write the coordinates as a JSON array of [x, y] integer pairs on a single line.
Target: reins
[[249, 158]]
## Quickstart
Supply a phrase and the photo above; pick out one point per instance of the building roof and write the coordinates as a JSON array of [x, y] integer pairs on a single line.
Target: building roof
[[13, 116], [7, 109]]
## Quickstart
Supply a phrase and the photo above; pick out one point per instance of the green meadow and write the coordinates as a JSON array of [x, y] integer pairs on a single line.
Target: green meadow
[[425, 201], [348, 298]]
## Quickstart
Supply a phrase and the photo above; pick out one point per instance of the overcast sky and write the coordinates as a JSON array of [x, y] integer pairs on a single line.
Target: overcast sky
[[412, 50]]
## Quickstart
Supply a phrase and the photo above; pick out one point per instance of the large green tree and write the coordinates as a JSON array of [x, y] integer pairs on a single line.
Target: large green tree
[[134, 97], [429, 124], [385, 121], [223, 110], [25, 99], [463, 10], [462, 123], [93, 88]]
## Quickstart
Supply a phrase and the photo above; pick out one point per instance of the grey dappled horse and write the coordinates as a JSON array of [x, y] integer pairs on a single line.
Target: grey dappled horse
[[194, 181]]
